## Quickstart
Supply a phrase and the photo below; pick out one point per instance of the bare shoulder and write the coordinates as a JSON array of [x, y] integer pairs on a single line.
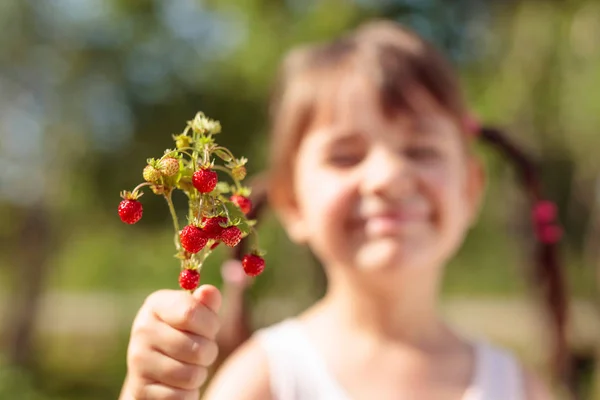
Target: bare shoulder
[[535, 387], [243, 376]]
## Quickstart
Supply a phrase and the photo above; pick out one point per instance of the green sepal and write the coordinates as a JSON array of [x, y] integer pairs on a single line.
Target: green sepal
[[222, 187], [243, 191]]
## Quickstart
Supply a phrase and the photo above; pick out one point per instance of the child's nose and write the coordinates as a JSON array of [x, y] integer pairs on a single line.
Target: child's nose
[[387, 174]]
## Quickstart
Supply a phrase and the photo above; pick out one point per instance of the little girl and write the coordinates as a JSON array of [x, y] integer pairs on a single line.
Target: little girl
[[373, 169]]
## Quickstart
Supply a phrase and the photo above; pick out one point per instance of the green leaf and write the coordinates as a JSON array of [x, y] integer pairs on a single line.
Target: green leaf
[[223, 155], [238, 218], [234, 212], [186, 172], [244, 227]]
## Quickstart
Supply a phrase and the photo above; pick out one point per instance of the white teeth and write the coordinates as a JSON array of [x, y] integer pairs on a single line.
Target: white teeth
[[390, 225]]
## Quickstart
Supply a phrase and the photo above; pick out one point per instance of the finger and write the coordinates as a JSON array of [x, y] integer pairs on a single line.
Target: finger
[[181, 311], [157, 391], [183, 346], [154, 366], [209, 296]]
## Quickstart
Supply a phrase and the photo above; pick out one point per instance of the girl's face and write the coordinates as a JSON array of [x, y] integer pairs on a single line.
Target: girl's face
[[378, 194]]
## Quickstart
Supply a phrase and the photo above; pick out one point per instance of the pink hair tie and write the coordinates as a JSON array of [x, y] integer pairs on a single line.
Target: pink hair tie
[[472, 125], [549, 234], [544, 217], [544, 212]]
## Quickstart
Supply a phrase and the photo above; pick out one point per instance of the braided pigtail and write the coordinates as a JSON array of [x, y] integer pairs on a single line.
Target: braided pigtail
[[547, 270]]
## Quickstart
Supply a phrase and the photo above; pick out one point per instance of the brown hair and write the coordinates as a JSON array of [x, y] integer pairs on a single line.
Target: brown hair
[[398, 61]]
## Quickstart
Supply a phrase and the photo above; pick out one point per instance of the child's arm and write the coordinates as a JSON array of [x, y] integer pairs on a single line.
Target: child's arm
[[535, 388], [244, 376], [172, 344], [235, 325]]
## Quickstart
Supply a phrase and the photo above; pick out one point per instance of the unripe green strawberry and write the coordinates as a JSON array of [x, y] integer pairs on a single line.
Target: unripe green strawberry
[[158, 189], [239, 172], [182, 141], [151, 174], [169, 166]]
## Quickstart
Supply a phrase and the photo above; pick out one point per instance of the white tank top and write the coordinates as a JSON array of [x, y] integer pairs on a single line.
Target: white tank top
[[297, 371]]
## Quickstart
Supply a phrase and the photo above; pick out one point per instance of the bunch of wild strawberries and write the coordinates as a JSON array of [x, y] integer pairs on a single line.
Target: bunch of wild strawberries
[[216, 210]]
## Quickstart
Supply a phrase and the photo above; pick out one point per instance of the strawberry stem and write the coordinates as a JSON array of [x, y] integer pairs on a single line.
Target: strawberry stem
[[255, 243], [198, 219], [140, 186], [173, 217], [226, 170], [185, 148], [206, 156], [195, 152], [190, 156], [226, 212], [204, 255]]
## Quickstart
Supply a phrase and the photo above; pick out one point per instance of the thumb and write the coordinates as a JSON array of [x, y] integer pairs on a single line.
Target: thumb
[[209, 296]]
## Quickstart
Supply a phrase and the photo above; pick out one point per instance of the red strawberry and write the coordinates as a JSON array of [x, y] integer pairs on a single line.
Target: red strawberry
[[130, 211], [242, 202], [212, 227], [192, 238], [169, 166], [214, 245], [231, 236], [189, 279], [204, 180], [253, 264]]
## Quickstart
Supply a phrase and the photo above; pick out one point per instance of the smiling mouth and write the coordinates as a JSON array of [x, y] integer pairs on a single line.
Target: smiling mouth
[[392, 224]]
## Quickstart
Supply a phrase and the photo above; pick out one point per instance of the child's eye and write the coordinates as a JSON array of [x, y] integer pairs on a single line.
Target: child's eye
[[423, 153], [342, 160]]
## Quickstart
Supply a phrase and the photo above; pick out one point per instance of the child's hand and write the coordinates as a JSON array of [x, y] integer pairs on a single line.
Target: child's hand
[[233, 274], [172, 344]]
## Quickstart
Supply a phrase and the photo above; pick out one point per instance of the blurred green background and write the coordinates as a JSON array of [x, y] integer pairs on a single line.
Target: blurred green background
[[91, 88]]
